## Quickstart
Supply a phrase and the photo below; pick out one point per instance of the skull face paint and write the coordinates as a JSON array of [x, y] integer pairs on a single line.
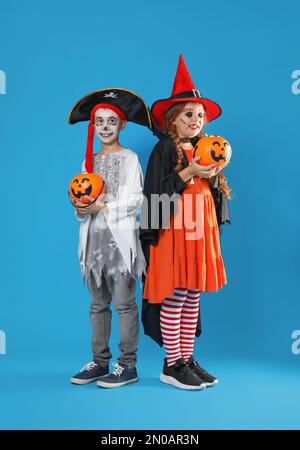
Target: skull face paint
[[191, 120], [107, 125]]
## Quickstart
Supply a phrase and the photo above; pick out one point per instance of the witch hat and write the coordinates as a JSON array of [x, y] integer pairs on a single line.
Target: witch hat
[[128, 105], [184, 90]]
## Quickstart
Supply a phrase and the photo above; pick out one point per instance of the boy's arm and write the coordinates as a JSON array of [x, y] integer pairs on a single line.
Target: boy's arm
[[130, 196], [81, 217]]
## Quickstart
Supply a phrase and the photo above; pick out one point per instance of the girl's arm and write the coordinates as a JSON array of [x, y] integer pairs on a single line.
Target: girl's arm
[[195, 169], [161, 180]]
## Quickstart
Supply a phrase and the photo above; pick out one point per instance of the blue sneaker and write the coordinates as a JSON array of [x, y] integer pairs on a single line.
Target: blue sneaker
[[89, 373], [119, 377]]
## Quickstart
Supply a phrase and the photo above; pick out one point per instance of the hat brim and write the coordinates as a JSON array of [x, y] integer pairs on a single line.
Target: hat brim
[[131, 104], [160, 107]]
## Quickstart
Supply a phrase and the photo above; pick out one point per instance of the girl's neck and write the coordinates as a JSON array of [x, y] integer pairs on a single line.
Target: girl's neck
[[186, 145], [185, 140]]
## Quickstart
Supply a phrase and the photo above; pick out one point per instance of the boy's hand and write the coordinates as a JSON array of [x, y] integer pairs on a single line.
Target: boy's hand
[[93, 208]]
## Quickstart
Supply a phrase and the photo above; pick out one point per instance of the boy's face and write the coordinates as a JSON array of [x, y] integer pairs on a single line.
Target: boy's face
[[108, 125], [190, 121]]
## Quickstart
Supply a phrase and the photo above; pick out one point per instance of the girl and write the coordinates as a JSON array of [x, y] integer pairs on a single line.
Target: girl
[[110, 253], [185, 258]]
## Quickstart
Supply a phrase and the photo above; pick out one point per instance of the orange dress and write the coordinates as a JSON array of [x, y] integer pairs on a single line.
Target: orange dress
[[188, 255]]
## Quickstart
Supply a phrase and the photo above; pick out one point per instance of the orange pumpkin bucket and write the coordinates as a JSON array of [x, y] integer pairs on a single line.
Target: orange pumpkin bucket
[[213, 150], [86, 188]]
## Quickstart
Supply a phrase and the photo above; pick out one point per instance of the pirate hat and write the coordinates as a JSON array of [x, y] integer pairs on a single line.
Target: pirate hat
[[128, 105], [183, 91]]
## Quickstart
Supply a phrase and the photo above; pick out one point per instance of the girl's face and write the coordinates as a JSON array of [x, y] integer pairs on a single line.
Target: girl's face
[[190, 121], [108, 125]]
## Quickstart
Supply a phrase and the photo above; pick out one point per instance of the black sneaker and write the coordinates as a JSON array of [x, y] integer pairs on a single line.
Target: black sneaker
[[119, 377], [89, 373], [208, 379], [181, 376]]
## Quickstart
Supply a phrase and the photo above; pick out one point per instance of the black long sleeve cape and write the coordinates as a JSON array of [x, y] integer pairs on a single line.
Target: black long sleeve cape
[[161, 178]]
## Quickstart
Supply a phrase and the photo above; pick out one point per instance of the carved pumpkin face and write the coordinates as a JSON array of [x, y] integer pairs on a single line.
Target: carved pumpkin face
[[86, 188], [213, 150]]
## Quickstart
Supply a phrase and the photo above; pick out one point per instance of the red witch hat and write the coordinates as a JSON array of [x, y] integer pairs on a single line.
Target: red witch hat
[[184, 90]]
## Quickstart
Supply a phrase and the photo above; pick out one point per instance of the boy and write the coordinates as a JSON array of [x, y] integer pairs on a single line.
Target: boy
[[110, 253]]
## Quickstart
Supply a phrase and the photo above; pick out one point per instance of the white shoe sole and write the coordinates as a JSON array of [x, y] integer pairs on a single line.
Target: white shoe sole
[[173, 382], [105, 385], [214, 383]]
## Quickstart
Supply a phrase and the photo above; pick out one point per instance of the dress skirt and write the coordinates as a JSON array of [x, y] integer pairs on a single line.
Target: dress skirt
[[188, 253]]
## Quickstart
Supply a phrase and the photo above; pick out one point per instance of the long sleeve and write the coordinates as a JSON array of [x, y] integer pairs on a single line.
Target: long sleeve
[[130, 195], [170, 183], [81, 217], [161, 173], [161, 178]]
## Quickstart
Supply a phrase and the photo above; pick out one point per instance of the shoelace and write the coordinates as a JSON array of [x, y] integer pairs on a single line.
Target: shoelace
[[89, 366], [118, 369]]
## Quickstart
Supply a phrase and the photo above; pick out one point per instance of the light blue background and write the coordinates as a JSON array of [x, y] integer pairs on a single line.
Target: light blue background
[[242, 55]]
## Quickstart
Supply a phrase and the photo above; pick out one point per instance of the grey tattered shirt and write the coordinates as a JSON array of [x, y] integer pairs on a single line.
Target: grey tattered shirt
[[103, 255]]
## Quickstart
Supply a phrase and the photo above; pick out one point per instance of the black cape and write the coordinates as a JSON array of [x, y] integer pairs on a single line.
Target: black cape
[[161, 178]]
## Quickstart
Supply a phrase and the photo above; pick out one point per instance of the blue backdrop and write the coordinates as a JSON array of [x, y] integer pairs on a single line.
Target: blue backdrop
[[241, 54]]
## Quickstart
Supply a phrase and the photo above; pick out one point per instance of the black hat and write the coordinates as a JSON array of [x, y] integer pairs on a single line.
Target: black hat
[[131, 105], [128, 105]]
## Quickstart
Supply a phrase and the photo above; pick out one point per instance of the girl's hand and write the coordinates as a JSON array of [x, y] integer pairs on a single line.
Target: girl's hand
[[202, 171], [93, 208], [218, 169]]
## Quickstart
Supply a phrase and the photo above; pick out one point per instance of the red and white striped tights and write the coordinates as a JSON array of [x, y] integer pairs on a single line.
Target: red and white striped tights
[[178, 323]]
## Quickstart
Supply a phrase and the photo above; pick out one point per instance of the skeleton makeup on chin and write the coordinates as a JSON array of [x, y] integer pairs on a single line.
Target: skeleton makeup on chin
[[191, 120], [108, 125]]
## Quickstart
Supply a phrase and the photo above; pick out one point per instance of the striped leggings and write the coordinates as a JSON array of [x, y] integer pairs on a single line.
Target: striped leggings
[[178, 322]]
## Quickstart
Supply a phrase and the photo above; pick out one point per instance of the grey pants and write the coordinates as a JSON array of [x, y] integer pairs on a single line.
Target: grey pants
[[123, 296]]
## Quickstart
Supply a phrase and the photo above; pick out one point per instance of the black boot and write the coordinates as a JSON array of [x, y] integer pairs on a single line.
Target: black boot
[[181, 376], [206, 377]]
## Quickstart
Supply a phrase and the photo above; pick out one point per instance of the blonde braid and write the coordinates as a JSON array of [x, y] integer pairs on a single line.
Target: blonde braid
[[177, 144], [172, 132], [223, 186]]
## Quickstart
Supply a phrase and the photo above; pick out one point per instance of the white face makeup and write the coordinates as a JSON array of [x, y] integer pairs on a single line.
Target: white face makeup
[[108, 125], [191, 120]]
